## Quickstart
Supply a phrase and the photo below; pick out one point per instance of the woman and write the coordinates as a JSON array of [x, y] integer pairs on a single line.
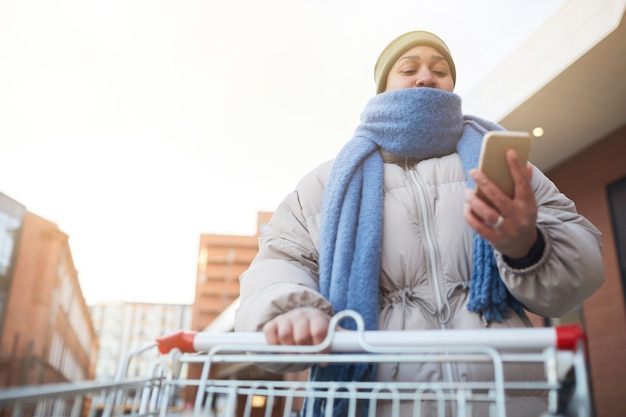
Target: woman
[[391, 228]]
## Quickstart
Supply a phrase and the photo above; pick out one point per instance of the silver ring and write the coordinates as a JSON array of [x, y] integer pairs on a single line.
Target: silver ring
[[498, 222]]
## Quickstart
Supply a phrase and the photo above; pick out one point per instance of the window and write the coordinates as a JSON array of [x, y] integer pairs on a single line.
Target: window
[[9, 227], [616, 193], [11, 217]]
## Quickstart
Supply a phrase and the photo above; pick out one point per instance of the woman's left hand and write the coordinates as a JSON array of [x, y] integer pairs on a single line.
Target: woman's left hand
[[509, 224]]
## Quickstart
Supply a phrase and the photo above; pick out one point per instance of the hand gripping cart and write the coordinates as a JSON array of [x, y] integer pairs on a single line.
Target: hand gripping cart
[[230, 377]]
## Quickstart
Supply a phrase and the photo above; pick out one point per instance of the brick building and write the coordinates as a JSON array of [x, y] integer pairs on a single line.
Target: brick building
[[11, 219], [596, 181], [47, 335], [221, 259]]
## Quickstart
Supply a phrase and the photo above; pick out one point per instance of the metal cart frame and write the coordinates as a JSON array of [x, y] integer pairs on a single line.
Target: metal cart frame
[[560, 351]]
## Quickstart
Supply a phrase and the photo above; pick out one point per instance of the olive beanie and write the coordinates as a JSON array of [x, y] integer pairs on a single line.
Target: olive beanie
[[400, 45]]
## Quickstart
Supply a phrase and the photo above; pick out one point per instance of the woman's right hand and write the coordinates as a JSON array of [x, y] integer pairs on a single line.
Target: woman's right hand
[[302, 326]]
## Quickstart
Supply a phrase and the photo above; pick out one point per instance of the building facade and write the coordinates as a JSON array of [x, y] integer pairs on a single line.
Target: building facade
[[11, 218], [124, 327], [221, 260], [47, 333], [596, 180]]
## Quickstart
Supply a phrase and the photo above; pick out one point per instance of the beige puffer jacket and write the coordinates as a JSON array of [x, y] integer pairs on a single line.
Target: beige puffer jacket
[[426, 259]]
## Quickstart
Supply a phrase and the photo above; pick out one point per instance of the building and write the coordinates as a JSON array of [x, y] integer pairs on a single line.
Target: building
[[46, 331], [11, 218], [221, 260], [124, 327]]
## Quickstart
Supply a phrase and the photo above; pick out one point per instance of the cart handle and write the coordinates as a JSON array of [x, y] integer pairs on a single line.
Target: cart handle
[[560, 337]]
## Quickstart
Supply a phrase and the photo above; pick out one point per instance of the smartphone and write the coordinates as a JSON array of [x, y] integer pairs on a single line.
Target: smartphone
[[493, 160]]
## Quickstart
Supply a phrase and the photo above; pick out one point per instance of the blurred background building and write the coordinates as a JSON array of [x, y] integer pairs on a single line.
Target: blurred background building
[[46, 332], [221, 260], [125, 327]]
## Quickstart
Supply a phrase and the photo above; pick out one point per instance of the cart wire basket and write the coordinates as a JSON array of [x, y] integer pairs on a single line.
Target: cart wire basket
[[235, 374]]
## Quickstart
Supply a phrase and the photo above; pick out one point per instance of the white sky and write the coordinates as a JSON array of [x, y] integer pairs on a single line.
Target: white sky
[[137, 125]]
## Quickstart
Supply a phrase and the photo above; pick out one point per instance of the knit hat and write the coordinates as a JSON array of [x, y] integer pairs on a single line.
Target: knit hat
[[400, 45]]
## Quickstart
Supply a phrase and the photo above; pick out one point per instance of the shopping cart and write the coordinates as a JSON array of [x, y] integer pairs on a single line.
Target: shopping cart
[[231, 378]]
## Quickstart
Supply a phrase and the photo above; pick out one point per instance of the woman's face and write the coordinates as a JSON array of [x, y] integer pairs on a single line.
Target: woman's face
[[421, 66]]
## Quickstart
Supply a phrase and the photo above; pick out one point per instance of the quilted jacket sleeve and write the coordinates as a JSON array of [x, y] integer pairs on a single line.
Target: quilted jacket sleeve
[[571, 267], [284, 274]]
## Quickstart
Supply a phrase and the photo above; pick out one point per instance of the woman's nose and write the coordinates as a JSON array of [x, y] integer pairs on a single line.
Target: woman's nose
[[424, 79]]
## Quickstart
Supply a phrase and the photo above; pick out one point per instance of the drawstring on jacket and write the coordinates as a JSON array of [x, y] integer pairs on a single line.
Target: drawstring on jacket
[[405, 295]]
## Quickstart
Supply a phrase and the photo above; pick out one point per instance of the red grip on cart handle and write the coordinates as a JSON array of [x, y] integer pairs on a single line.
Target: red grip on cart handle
[[567, 337], [182, 340]]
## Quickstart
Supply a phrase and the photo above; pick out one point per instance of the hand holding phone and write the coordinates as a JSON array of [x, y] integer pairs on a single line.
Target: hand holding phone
[[493, 158]]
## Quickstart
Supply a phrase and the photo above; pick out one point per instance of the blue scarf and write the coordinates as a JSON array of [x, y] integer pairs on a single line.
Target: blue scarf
[[420, 123]]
